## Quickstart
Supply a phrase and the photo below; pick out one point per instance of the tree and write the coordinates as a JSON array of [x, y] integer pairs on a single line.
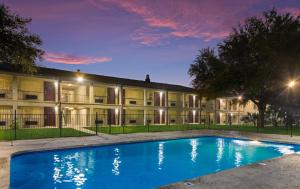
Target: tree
[[18, 46], [257, 59], [207, 71], [275, 114], [250, 118]]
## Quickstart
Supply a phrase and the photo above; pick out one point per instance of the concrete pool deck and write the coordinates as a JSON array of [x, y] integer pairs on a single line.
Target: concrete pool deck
[[276, 173]]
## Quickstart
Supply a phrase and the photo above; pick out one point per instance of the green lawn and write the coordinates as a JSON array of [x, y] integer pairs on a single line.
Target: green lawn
[[162, 128], [39, 133], [141, 129], [68, 132]]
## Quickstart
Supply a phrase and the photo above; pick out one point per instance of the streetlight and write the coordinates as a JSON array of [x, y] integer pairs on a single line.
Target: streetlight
[[291, 84], [240, 97]]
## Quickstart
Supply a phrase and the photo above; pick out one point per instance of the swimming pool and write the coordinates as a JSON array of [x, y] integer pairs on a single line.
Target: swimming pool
[[138, 165]]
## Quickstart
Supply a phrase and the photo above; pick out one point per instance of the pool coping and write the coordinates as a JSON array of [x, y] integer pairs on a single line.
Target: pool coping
[[27, 146]]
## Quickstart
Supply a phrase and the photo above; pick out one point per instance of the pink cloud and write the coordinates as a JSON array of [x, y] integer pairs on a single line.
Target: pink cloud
[[150, 37], [73, 59], [206, 20], [146, 14]]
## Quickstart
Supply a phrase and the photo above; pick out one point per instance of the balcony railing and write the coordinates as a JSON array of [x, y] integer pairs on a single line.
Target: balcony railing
[[134, 102], [74, 98], [100, 99], [5, 94], [30, 95], [173, 103]]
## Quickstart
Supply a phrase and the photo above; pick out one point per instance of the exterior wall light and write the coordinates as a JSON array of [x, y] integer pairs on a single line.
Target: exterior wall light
[[79, 79], [161, 111], [116, 110], [56, 109], [161, 94]]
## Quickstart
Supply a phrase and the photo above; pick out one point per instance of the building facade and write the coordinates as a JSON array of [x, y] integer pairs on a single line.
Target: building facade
[[42, 97]]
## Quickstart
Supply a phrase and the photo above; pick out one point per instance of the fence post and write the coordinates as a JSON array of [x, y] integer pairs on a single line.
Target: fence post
[[96, 123], [15, 124], [60, 123], [109, 128], [291, 129], [208, 120], [291, 121]]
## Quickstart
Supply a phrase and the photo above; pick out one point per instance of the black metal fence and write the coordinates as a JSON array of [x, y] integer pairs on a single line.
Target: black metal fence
[[32, 126]]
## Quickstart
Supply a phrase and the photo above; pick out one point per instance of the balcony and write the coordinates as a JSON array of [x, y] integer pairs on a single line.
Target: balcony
[[74, 98], [5, 94], [175, 104], [134, 102], [149, 102], [30, 95], [100, 99]]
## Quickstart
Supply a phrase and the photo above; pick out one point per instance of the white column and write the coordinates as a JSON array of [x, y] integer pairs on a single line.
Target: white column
[[120, 95], [91, 93], [194, 116], [183, 100], [183, 117], [15, 93], [91, 117], [200, 110], [56, 84], [167, 108], [145, 97], [120, 115], [183, 106], [121, 105], [145, 104], [160, 98], [145, 116], [194, 101], [160, 116]]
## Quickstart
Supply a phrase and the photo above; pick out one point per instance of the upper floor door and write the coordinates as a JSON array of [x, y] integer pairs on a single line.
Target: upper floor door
[[49, 91], [156, 99], [196, 101], [111, 96], [159, 99], [191, 101]]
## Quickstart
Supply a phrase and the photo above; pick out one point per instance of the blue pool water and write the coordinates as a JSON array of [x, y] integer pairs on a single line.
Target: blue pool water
[[138, 165]]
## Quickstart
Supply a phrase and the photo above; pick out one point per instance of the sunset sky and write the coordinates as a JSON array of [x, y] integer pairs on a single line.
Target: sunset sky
[[136, 37]]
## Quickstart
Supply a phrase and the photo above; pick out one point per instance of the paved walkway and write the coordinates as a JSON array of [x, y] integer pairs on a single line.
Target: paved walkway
[[82, 129], [278, 173], [284, 167]]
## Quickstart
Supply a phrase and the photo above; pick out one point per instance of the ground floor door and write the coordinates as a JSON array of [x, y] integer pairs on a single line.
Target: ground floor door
[[111, 117], [156, 117], [49, 116], [159, 117], [197, 117], [190, 117]]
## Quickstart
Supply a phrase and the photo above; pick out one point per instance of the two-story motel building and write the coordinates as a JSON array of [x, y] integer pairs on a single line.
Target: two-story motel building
[[116, 100]]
